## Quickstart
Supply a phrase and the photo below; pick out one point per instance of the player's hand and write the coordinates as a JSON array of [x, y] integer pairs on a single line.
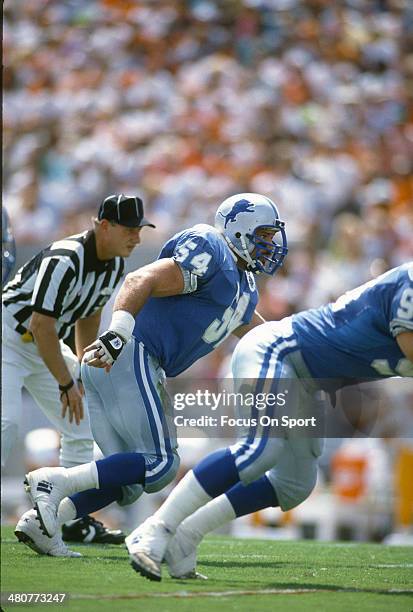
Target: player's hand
[[104, 351], [72, 404]]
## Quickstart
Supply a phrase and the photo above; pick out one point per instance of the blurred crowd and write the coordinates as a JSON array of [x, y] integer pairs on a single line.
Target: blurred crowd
[[188, 101]]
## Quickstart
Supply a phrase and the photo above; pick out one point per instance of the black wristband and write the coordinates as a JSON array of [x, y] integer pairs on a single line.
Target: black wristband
[[64, 388]]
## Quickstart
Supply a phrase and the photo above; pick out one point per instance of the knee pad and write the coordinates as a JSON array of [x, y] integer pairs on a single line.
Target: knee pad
[[292, 491], [253, 460], [130, 493], [167, 477]]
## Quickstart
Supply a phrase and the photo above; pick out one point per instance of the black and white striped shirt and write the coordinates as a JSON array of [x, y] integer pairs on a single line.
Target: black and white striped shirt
[[65, 281]]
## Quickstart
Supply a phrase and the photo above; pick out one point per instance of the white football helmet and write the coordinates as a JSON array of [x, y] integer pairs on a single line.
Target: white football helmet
[[239, 217]]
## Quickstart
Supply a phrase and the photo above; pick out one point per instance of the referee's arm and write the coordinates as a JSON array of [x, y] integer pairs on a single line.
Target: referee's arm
[[55, 277], [86, 331], [43, 328]]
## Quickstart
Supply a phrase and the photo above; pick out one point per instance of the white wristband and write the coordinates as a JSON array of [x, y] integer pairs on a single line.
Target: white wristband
[[122, 323]]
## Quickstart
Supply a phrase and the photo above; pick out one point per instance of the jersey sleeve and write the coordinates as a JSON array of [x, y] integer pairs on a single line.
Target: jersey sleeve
[[198, 258], [55, 278], [401, 311]]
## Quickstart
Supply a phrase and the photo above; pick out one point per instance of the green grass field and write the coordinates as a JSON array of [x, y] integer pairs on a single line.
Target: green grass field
[[243, 575]]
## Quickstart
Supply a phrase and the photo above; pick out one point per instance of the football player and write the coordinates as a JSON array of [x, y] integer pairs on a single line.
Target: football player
[[166, 316], [366, 334]]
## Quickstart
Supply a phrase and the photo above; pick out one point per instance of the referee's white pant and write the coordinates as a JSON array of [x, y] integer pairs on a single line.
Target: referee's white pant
[[22, 367]]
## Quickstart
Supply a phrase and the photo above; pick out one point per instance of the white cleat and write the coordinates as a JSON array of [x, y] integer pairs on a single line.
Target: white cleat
[[180, 556], [47, 487], [146, 546], [29, 532]]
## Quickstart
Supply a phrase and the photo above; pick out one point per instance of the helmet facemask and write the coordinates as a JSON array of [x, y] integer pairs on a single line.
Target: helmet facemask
[[262, 254]]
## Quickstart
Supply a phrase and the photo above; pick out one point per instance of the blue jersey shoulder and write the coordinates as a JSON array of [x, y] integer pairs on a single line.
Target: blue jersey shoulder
[[387, 299], [355, 337], [200, 249], [401, 306]]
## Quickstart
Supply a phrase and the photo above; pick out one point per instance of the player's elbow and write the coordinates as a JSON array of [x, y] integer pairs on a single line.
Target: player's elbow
[[139, 280]]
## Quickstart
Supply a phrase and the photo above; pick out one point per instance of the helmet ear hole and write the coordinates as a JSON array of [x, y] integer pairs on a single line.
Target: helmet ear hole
[[237, 234]]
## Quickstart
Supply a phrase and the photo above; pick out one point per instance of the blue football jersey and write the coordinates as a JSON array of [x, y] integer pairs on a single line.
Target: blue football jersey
[[220, 297], [354, 338]]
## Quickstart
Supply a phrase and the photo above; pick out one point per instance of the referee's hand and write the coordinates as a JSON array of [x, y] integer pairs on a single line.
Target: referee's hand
[[72, 404]]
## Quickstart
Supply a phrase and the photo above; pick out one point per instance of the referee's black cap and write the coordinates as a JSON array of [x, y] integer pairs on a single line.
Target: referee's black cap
[[123, 209]]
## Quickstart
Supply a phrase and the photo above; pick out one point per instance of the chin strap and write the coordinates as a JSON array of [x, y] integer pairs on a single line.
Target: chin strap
[[251, 264], [247, 257]]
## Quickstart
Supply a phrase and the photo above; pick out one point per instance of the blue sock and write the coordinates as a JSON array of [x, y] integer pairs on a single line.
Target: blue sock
[[256, 496], [217, 472], [121, 469], [94, 499]]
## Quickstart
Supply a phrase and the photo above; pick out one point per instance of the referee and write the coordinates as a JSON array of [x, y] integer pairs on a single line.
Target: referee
[[65, 285]]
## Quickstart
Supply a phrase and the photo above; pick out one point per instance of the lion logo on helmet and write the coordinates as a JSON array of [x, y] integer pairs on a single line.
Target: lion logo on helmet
[[242, 206]]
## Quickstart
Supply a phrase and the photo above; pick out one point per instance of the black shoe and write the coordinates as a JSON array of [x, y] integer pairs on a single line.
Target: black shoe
[[91, 531]]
